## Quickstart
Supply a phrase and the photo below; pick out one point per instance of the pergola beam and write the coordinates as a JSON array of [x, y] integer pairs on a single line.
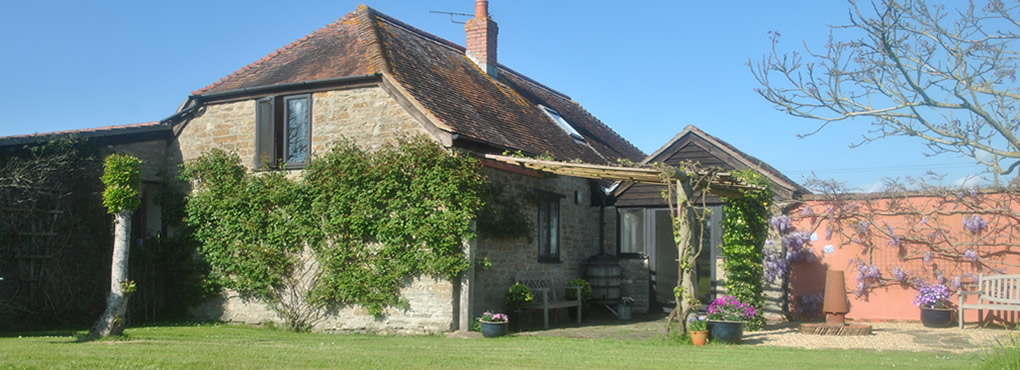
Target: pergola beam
[[725, 185]]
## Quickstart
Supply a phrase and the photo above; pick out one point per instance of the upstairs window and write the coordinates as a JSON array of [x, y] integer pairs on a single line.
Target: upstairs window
[[556, 117], [283, 131]]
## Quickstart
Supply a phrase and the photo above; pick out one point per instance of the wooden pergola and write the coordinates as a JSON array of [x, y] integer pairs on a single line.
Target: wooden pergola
[[725, 184], [682, 187]]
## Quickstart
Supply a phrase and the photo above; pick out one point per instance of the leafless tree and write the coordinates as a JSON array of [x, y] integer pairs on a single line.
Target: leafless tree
[[946, 76]]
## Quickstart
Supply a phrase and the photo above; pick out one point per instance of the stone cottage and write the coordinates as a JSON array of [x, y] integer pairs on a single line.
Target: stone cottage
[[372, 78]]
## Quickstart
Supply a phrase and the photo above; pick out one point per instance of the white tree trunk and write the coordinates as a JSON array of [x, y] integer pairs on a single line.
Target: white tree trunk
[[112, 321]]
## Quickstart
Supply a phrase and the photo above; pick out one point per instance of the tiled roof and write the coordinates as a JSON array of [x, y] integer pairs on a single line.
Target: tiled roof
[[132, 128], [341, 48], [502, 112]]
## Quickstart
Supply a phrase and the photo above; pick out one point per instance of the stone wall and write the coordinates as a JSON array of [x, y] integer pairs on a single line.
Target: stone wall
[[430, 311], [635, 282], [513, 259], [370, 117], [367, 115]]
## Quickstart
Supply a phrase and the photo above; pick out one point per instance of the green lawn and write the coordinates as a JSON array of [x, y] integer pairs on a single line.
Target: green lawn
[[229, 346]]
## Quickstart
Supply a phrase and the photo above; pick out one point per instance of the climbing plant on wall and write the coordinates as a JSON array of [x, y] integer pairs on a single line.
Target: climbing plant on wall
[[387, 216], [371, 220], [745, 229]]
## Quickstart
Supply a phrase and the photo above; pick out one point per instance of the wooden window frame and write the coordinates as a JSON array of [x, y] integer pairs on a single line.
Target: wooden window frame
[[546, 201], [271, 146]]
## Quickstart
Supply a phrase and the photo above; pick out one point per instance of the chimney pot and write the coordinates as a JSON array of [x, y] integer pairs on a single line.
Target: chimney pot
[[482, 9]]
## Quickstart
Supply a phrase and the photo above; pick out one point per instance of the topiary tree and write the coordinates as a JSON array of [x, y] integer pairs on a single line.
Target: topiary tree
[[122, 177]]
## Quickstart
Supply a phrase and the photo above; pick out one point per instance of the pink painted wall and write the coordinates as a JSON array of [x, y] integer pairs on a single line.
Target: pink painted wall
[[900, 238]]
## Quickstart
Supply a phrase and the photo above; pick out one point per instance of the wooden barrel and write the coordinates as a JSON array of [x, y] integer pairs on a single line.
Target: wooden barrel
[[604, 274]]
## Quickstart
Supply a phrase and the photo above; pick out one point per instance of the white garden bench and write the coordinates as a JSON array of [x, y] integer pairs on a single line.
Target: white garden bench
[[546, 297], [994, 293]]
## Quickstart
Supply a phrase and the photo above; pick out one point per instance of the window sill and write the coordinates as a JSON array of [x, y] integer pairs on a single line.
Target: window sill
[[549, 260]]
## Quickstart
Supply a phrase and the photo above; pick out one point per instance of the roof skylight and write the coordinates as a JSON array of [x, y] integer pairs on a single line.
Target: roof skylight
[[556, 117]]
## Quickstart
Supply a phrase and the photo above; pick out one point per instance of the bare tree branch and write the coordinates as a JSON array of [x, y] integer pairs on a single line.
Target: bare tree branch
[[913, 69]]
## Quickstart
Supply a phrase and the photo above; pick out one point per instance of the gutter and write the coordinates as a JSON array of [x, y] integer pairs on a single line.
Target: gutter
[[194, 101]]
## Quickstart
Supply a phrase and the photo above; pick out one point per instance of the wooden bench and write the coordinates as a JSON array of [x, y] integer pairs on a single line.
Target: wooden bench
[[994, 293], [546, 298]]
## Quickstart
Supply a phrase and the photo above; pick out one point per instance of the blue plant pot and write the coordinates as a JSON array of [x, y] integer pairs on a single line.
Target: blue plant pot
[[937, 317], [726, 331], [493, 329]]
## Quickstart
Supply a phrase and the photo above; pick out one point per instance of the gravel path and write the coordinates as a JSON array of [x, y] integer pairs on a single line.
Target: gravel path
[[886, 336]]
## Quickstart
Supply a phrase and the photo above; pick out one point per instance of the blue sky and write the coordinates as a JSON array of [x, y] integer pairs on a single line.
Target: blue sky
[[645, 68]]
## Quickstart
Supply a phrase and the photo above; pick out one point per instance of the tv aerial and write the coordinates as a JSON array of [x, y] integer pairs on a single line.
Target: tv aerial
[[452, 14]]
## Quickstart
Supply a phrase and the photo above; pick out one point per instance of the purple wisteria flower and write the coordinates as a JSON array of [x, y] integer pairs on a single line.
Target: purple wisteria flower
[[781, 224], [828, 232], [873, 273], [894, 241], [899, 274], [863, 227], [927, 257], [924, 220], [957, 283], [970, 255], [807, 212], [775, 265], [796, 240], [975, 224], [809, 304]]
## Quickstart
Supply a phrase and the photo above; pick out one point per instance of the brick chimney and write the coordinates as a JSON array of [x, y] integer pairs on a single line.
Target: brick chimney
[[481, 38]]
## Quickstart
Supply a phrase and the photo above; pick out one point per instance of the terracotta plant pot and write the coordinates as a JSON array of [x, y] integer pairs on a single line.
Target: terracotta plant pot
[[937, 317], [699, 338], [493, 329]]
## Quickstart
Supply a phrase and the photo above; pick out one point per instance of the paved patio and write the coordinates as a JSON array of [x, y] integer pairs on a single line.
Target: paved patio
[[888, 336]]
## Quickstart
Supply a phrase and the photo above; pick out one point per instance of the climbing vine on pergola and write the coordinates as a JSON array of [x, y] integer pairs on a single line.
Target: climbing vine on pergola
[[687, 187]]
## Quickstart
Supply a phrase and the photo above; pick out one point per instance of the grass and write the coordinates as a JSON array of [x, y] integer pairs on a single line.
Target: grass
[[1006, 355], [232, 346]]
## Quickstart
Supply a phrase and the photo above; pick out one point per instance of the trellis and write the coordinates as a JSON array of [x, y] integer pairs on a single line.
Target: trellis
[[33, 225], [683, 186]]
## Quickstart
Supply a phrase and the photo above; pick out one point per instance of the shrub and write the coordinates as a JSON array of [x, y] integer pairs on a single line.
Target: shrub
[[571, 294], [518, 297]]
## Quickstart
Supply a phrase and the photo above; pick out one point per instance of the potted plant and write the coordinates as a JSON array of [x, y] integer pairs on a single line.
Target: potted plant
[[726, 317], [936, 308], [698, 327], [571, 294], [517, 299], [493, 324]]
